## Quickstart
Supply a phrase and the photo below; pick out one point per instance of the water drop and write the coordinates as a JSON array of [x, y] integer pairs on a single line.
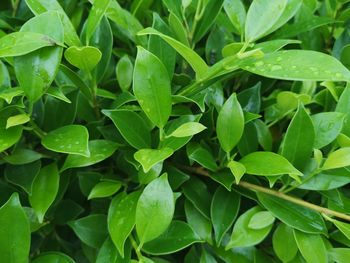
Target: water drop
[[279, 59], [259, 64], [276, 67], [338, 75]]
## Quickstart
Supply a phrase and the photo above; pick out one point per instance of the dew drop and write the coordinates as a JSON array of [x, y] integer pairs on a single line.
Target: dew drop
[[259, 64], [276, 67], [338, 75], [279, 59]]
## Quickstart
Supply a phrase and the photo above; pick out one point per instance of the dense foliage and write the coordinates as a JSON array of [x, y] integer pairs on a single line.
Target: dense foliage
[[174, 131]]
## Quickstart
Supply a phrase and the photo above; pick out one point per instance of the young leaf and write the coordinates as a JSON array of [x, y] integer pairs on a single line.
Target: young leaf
[[188, 129], [17, 120], [311, 246], [104, 189], [150, 157], [71, 139], [151, 87], [96, 13], [261, 220], [9, 137], [124, 72], [85, 58], [283, 243], [14, 232], [230, 124], [237, 169], [44, 190], [337, 159], [155, 209]]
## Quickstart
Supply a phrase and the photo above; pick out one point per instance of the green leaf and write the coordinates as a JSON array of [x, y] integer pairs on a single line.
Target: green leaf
[[196, 62], [9, 137], [151, 87], [104, 189], [37, 70], [122, 218], [99, 151], [311, 246], [107, 253], [132, 127], [150, 157], [343, 227], [243, 235], [235, 11], [17, 120], [85, 58], [40, 6], [237, 169], [261, 220], [268, 164], [124, 71], [44, 190], [298, 65], [293, 215], [178, 236], [21, 43], [299, 139], [199, 154], [283, 243], [71, 139], [91, 230], [327, 125], [14, 232], [155, 209], [337, 159], [53, 257], [230, 124], [95, 15], [262, 16], [188, 129], [223, 211], [339, 255], [343, 106]]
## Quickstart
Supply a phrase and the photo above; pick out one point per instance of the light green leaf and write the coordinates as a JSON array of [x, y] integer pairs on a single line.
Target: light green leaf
[[150, 157], [131, 126], [71, 139], [104, 189], [155, 209], [243, 235], [223, 211], [343, 106], [9, 137], [196, 62], [44, 190], [96, 13], [9, 94], [124, 72], [268, 164], [14, 232], [235, 11], [230, 124], [283, 243], [99, 151], [298, 65], [262, 15], [237, 169], [343, 227], [188, 129], [339, 255], [178, 236], [337, 159], [261, 220], [85, 58], [53, 257], [17, 120], [311, 246], [121, 218], [151, 87], [21, 43]]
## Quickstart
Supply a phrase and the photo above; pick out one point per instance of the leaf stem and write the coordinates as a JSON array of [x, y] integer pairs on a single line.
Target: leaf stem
[[136, 248]]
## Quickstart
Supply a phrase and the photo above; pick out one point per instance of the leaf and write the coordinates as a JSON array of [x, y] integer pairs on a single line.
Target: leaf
[[85, 58], [196, 62], [131, 126], [104, 189], [107, 253], [91, 230], [17, 120], [121, 218], [299, 139], [14, 232], [223, 211], [268, 164], [235, 11], [199, 154], [261, 17], [151, 87], [337, 159], [155, 209], [178, 236], [53, 257], [327, 125], [311, 246], [298, 65], [96, 13], [188, 129], [124, 71], [283, 243], [293, 215], [339, 255], [44, 190], [37, 70], [21, 43], [150, 157], [261, 220], [343, 106], [9, 137], [230, 124], [99, 150], [71, 139], [242, 235], [237, 169], [343, 227], [40, 6]]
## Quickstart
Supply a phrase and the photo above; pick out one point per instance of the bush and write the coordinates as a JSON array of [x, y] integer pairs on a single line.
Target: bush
[[174, 131]]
